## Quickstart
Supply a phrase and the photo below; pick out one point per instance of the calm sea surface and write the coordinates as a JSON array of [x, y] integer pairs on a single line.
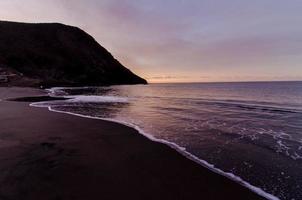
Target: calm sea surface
[[252, 130]]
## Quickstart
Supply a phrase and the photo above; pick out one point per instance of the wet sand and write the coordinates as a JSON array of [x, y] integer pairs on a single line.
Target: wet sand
[[46, 155]]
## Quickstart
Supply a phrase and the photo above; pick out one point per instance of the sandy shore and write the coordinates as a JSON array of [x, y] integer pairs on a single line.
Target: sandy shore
[[46, 155]]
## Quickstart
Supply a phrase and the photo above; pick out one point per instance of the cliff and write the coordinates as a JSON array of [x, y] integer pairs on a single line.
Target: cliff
[[56, 55]]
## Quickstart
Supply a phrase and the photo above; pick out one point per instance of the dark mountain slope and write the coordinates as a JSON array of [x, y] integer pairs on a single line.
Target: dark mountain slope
[[56, 55]]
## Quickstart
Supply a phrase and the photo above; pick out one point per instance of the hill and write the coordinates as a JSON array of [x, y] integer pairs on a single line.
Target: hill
[[53, 54]]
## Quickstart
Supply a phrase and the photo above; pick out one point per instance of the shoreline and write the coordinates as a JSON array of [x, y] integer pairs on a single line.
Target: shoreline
[[182, 151], [172, 145], [240, 189]]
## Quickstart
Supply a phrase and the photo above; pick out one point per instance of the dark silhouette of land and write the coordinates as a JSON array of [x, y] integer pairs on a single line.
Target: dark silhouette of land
[[56, 55]]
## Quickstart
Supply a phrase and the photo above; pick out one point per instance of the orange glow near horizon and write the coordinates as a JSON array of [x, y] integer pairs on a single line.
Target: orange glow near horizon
[[187, 41]]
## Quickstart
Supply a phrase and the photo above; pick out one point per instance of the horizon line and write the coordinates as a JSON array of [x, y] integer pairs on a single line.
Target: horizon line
[[254, 81]]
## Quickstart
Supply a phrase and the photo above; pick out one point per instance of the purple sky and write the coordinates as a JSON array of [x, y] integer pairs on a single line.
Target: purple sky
[[184, 40]]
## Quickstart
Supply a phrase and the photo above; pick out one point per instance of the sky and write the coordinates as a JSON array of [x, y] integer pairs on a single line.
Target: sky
[[184, 40]]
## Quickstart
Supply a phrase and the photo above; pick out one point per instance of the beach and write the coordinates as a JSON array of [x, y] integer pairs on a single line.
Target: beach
[[48, 155]]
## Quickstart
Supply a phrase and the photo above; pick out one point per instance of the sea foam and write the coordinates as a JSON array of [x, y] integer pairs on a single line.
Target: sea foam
[[173, 145], [96, 99]]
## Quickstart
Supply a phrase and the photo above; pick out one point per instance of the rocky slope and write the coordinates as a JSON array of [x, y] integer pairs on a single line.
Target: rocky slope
[[56, 55]]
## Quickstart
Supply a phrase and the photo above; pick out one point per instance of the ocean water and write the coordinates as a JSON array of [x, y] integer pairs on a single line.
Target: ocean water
[[250, 130]]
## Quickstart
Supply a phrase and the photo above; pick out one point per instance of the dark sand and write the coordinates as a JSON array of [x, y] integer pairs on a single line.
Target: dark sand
[[46, 155]]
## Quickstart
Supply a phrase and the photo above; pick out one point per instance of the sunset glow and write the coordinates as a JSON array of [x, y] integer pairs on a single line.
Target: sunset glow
[[184, 41]]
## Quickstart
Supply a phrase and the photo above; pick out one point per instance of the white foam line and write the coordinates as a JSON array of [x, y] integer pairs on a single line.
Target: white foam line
[[95, 99], [179, 149]]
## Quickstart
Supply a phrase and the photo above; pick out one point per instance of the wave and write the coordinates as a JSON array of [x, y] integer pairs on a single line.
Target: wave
[[250, 106], [176, 147], [95, 99], [260, 106]]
